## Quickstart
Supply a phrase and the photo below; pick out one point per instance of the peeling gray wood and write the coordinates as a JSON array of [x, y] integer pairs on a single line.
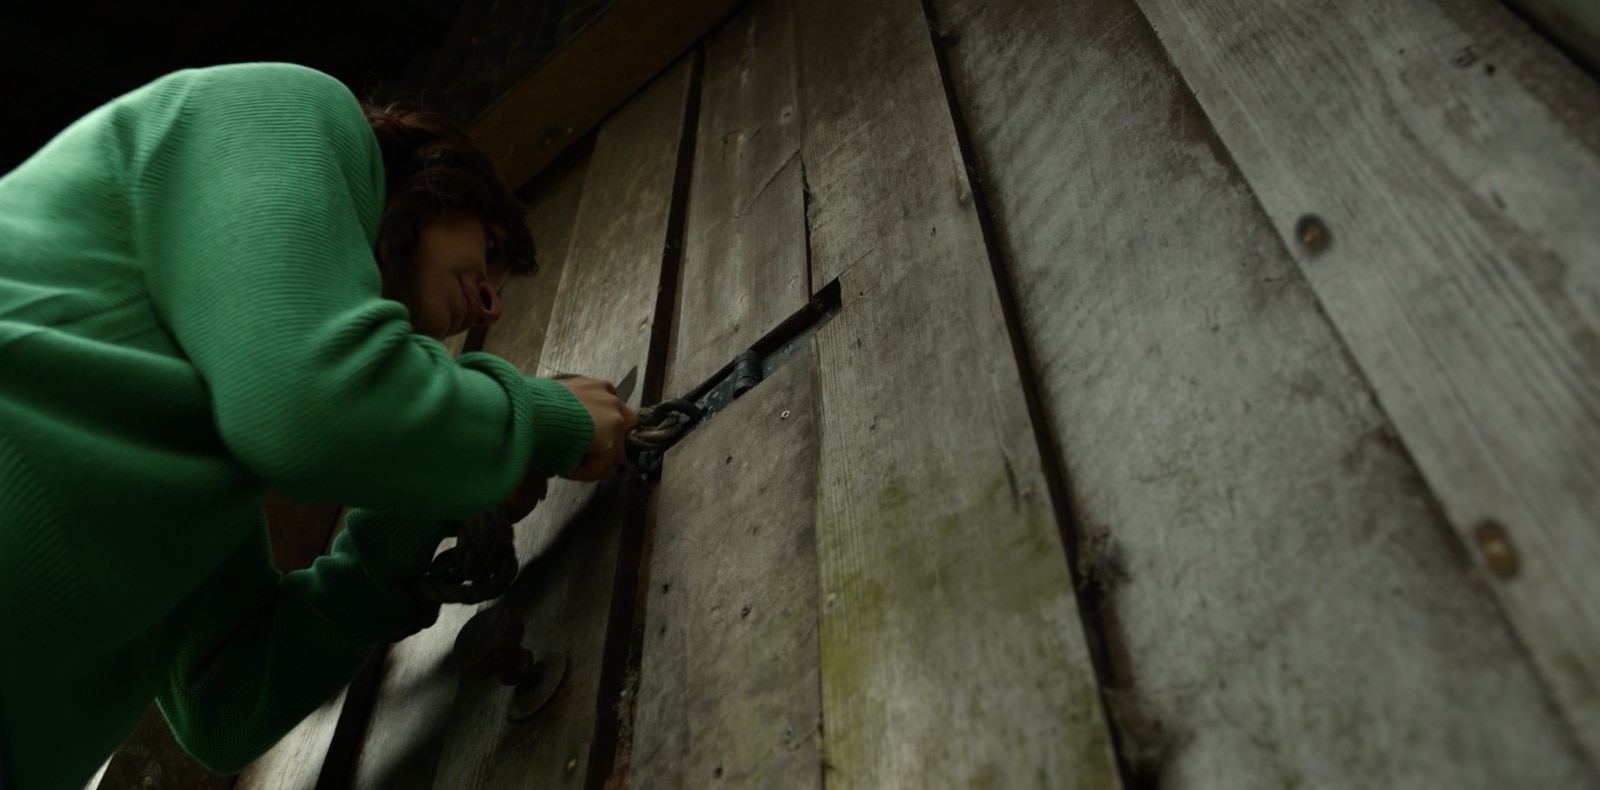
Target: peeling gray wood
[[728, 691], [1455, 159], [412, 707], [601, 326], [744, 265], [952, 652], [1287, 605]]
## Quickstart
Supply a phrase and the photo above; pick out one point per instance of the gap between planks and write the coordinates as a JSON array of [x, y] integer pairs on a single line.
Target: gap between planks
[[630, 596], [1051, 466]]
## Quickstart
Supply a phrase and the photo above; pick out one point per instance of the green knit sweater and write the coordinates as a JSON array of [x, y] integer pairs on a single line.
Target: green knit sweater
[[189, 314]]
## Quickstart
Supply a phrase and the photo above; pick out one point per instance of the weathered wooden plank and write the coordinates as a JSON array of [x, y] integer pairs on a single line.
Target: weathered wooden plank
[[952, 653], [594, 74], [1283, 595], [1454, 160], [405, 732], [602, 325], [296, 762], [728, 693], [551, 212], [407, 728], [744, 257]]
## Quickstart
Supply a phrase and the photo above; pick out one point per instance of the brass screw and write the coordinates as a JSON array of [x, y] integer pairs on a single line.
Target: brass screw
[[1498, 553], [1312, 233]]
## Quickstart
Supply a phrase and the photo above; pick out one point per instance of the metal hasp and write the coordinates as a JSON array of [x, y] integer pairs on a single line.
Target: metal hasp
[[491, 644], [748, 369]]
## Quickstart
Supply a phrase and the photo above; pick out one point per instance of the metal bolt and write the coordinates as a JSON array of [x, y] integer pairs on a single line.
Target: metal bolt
[[1312, 233], [784, 415], [1498, 553]]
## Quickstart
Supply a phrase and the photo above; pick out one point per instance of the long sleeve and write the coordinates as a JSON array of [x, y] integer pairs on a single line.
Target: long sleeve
[[190, 312], [256, 213], [265, 650]]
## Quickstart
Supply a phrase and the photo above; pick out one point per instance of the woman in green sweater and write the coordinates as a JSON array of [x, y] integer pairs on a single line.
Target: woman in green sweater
[[228, 280]]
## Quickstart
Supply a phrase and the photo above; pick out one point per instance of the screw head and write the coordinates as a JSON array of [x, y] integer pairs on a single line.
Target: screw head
[[1312, 233], [1498, 553]]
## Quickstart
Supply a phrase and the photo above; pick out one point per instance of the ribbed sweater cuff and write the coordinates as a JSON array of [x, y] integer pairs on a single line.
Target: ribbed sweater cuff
[[561, 427]]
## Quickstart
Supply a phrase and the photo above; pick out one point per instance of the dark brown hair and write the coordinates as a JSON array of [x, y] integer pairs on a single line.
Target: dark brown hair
[[431, 167]]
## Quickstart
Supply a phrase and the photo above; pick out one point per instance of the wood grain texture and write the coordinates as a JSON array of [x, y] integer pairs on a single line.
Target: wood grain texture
[[405, 732], [564, 597], [952, 652], [409, 717], [594, 74], [744, 257], [728, 692], [1287, 605], [296, 762], [1454, 158], [601, 326], [551, 212]]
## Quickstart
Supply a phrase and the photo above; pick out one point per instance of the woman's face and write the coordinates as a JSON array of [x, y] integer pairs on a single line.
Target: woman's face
[[450, 284]]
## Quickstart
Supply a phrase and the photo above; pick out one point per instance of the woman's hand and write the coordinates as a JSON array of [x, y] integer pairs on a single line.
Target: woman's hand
[[612, 421]]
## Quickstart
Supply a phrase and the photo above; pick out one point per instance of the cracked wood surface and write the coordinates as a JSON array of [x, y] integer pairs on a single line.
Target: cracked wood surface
[[602, 323], [728, 690], [744, 265], [1287, 604], [1454, 157], [952, 650]]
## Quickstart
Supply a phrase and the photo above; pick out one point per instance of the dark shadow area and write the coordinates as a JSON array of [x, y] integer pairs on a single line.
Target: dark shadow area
[[64, 60]]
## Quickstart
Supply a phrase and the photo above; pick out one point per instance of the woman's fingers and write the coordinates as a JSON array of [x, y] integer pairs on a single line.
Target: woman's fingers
[[612, 420]]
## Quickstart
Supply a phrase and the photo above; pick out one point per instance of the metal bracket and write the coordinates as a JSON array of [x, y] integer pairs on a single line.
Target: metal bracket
[[750, 367]]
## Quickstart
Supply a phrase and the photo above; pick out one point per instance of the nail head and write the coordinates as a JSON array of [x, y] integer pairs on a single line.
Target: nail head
[[1498, 553], [1312, 233]]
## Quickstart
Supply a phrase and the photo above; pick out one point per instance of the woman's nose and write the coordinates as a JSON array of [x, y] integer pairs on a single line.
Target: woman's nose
[[490, 302]]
